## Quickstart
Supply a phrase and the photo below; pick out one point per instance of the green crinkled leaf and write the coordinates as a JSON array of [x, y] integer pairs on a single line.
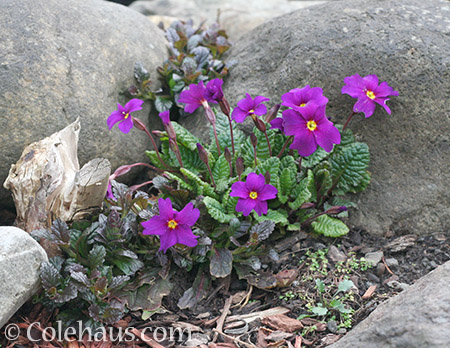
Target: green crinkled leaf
[[329, 227], [271, 165], [186, 138], [349, 167], [216, 210], [322, 178], [347, 136], [279, 217], [127, 265], [221, 169], [96, 256], [223, 134], [287, 183], [203, 187], [221, 262], [262, 150], [154, 159], [182, 183], [230, 202], [190, 159], [301, 192], [163, 104], [314, 159], [294, 227]]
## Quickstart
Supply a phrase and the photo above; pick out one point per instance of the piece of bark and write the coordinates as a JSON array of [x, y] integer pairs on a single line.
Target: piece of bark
[[283, 323], [47, 183]]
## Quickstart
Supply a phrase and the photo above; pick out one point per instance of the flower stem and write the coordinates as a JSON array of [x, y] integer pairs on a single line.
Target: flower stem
[[178, 155], [268, 143], [348, 120], [144, 128], [210, 174], [217, 139], [231, 134], [309, 220], [284, 146]]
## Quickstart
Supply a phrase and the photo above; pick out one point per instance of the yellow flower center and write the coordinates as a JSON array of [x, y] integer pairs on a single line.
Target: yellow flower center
[[303, 104], [251, 111], [370, 94], [253, 195], [125, 115], [172, 224], [311, 125]]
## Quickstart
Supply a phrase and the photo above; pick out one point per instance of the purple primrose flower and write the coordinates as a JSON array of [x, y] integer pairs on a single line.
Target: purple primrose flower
[[248, 107], [165, 117], [171, 226], [194, 97], [214, 90], [109, 194], [299, 98], [310, 129], [123, 115], [368, 92], [253, 194]]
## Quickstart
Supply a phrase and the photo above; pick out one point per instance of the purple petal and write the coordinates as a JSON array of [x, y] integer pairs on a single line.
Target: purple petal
[[185, 236], [268, 192], [292, 122], [366, 105], [261, 110], [246, 104], [304, 142], [165, 208], [245, 206], [371, 82], [255, 182], [165, 117], [354, 87], [277, 123], [155, 226], [290, 99], [133, 105], [126, 125], [115, 117], [384, 90], [239, 189], [261, 208], [326, 135], [382, 102], [317, 97], [120, 108], [188, 216], [260, 99], [167, 240], [239, 115], [190, 108]]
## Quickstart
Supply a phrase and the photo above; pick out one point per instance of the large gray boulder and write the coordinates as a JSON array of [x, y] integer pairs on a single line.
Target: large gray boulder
[[61, 60], [418, 317], [20, 260], [404, 42]]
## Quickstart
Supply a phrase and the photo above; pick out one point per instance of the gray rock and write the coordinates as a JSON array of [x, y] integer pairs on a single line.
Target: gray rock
[[417, 317], [391, 262], [404, 42], [20, 260], [394, 284], [335, 254], [236, 17], [374, 257], [62, 60]]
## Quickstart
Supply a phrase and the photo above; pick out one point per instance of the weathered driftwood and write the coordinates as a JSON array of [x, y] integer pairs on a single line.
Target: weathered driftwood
[[47, 183]]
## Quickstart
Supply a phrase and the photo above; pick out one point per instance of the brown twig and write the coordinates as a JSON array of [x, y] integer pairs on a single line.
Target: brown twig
[[222, 318], [237, 340]]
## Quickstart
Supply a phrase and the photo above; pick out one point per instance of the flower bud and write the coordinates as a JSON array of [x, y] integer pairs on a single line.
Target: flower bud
[[225, 106], [273, 112], [122, 170], [239, 166], [210, 115], [158, 134], [139, 124], [202, 153], [259, 124], [307, 205], [336, 209], [227, 155], [254, 140]]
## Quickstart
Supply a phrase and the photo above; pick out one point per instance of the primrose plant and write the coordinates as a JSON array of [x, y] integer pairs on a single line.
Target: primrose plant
[[223, 202]]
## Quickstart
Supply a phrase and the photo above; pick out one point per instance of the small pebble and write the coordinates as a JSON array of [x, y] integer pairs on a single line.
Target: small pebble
[[342, 331], [397, 285], [391, 262], [374, 257], [380, 269], [433, 264], [319, 246], [332, 326], [373, 277], [335, 254]]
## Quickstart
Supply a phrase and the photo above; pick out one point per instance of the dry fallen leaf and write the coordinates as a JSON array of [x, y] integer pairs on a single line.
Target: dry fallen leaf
[[283, 323], [369, 292]]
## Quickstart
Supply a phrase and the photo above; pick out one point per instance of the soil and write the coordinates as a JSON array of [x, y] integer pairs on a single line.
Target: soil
[[405, 259]]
